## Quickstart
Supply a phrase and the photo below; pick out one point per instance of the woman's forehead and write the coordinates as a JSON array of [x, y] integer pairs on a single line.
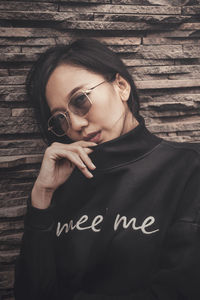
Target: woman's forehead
[[71, 77], [66, 79]]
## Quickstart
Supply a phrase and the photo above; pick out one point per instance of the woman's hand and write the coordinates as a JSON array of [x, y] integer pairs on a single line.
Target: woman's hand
[[58, 163]]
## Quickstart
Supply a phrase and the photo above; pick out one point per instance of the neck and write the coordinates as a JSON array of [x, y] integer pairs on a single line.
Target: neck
[[130, 122]]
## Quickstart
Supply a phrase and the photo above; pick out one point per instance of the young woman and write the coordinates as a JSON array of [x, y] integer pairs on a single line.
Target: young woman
[[115, 210]]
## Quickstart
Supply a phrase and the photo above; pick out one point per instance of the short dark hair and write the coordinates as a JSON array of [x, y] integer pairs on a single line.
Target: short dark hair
[[88, 53]]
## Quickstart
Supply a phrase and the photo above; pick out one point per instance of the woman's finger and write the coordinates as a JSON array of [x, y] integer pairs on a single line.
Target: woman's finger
[[85, 158], [76, 160]]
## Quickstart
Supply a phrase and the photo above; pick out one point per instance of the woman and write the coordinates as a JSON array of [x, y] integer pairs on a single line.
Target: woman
[[114, 212]]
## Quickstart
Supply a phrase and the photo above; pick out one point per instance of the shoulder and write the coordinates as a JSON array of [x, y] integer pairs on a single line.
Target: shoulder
[[193, 148]]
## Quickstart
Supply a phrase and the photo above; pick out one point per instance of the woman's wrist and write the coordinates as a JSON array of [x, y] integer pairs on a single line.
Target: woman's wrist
[[40, 196]]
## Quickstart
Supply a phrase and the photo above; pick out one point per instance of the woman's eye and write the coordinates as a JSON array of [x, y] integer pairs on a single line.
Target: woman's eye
[[79, 100]]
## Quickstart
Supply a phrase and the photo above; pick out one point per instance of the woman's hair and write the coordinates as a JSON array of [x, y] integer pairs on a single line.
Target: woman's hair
[[87, 53]]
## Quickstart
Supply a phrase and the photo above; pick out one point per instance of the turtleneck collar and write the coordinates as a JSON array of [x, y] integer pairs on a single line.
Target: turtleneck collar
[[125, 148]]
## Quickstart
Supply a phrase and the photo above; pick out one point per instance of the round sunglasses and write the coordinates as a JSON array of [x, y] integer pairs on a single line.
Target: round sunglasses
[[79, 104]]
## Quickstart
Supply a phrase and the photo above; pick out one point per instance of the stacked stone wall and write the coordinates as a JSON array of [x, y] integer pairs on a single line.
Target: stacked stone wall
[[159, 40]]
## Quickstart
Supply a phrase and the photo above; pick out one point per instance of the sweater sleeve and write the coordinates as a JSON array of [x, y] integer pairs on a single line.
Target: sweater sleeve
[[35, 270], [178, 273]]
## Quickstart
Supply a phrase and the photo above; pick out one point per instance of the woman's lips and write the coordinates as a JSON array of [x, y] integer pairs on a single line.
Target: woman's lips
[[94, 138]]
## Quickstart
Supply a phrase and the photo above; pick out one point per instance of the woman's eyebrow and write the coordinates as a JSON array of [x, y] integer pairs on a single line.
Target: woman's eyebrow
[[75, 90], [61, 109]]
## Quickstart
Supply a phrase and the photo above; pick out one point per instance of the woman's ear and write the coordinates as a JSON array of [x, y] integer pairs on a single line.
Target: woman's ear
[[123, 87]]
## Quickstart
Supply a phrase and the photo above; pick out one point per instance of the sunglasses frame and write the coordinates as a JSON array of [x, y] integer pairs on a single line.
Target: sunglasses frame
[[66, 113]]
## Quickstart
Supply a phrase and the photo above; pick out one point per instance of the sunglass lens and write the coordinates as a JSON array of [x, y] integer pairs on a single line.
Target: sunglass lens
[[80, 104], [59, 124]]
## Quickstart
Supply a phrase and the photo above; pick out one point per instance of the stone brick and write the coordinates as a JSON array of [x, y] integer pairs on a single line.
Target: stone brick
[[163, 84], [184, 76], [192, 10], [161, 48], [4, 72], [174, 126], [20, 151], [167, 69], [14, 161], [86, 1], [5, 112], [147, 62], [176, 98], [191, 50], [14, 202], [44, 16], [8, 257], [22, 112], [24, 6], [28, 174], [12, 212], [22, 143], [14, 97], [170, 41], [156, 109], [152, 2], [167, 114], [119, 40], [175, 34], [95, 25], [6, 279], [31, 32], [144, 77], [10, 49], [124, 49], [11, 195], [168, 20], [24, 41], [14, 80], [190, 26], [18, 72], [171, 71], [123, 9], [12, 225], [8, 186], [16, 125], [17, 89], [170, 54], [32, 49], [18, 57]]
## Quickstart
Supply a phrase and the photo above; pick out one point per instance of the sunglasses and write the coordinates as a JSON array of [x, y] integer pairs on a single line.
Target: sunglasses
[[79, 104]]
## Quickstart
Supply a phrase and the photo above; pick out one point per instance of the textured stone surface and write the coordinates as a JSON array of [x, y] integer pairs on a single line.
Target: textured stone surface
[[157, 2], [6, 279], [18, 125], [27, 6], [15, 97], [27, 41], [175, 126], [163, 84], [13, 161], [12, 212], [158, 10], [169, 20], [11, 227]]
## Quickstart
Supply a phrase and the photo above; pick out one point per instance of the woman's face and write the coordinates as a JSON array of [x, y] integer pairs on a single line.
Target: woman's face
[[109, 115]]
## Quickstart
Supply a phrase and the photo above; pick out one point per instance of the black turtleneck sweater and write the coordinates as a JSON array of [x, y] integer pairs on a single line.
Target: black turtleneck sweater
[[130, 232]]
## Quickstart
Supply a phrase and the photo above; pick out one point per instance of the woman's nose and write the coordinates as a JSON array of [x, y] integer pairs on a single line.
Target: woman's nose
[[77, 122]]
